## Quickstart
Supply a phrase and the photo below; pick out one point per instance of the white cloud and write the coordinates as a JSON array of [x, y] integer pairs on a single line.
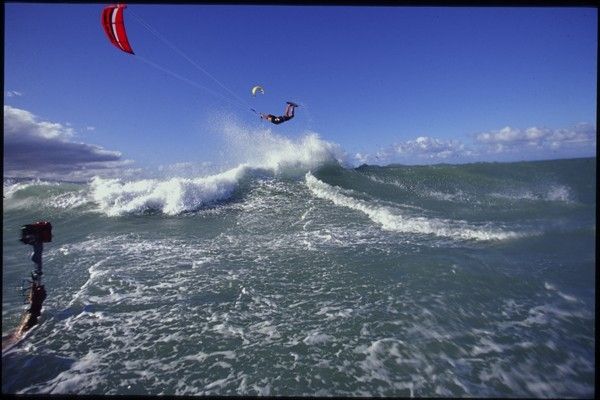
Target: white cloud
[[13, 93], [428, 147], [510, 139], [362, 158], [46, 149], [421, 149], [23, 125]]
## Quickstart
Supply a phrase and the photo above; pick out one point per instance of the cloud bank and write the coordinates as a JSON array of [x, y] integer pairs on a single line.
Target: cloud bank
[[511, 139], [506, 144], [34, 148]]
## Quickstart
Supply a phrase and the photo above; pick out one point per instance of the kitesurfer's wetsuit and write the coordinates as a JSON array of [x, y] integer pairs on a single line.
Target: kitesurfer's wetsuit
[[289, 114]]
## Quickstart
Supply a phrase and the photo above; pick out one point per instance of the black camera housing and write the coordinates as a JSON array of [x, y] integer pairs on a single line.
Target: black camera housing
[[38, 232]]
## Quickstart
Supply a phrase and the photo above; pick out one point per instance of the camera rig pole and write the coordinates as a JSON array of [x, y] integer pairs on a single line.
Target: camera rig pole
[[37, 292], [35, 235]]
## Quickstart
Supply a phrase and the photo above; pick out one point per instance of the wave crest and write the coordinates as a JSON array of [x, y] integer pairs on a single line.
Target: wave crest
[[172, 196]]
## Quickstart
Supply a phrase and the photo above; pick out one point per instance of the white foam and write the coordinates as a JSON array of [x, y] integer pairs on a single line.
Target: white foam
[[391, 219], [171, 196], [567, 297], [487, 346], [94, 272], [459, 196], [68, 200], [83, 376], [541, 389], [375, 355], [393, 182], [219, 383], [335, 312], [557, 193], [514, 196], [317, 338], [553, 288], [202, 356]]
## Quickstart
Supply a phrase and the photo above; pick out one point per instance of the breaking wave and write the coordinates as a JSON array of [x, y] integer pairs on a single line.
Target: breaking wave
[[258, 153], [393, 220]]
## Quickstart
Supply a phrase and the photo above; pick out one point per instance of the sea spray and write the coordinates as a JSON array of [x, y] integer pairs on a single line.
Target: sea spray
[[261, 148], [257, 152]]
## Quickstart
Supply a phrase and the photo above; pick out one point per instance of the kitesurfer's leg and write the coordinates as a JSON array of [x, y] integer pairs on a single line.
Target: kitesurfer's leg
[[289, 110]]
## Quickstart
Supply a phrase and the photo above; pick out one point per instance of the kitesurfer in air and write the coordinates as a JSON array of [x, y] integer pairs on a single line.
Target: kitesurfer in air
[[287, 115]]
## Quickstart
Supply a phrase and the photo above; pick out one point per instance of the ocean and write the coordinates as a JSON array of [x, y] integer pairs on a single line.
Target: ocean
[[310, 279]]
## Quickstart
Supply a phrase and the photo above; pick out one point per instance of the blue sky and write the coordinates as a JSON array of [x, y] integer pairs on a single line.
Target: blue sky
[[412, 85]]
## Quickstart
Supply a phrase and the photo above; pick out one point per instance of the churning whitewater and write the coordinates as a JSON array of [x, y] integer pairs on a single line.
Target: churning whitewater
[[287, 272]]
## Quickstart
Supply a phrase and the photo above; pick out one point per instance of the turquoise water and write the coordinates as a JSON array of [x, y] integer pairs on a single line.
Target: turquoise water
[[446, 280]]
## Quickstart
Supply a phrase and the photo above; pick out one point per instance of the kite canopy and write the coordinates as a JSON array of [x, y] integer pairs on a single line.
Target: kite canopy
[[257, 89], [114, 26]]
